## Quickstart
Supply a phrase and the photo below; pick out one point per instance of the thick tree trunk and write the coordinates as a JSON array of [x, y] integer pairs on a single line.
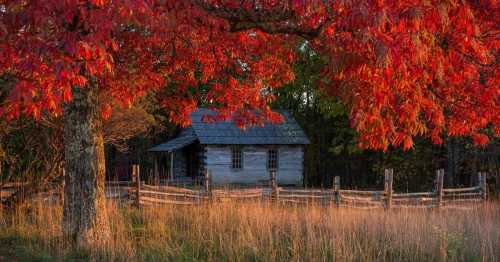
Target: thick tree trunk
[[85, 218]]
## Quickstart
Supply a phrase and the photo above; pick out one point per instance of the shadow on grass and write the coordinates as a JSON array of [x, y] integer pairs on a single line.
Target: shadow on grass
[[15, 247]]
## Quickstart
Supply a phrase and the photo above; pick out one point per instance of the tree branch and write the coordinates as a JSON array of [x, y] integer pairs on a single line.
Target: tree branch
[[281, 19], [273, 28], [257, 13]]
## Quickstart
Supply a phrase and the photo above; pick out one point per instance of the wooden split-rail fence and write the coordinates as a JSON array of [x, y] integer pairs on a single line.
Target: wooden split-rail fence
[[147, 195]]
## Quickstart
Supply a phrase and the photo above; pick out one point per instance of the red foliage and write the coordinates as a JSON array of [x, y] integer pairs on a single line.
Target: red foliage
[[404, 68]]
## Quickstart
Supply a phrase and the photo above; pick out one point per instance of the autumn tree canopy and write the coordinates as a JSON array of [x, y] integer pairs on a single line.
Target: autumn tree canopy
[[404, 68]]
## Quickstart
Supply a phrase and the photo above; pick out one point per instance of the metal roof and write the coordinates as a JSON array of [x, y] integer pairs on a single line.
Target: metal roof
[[227, 133], [186, 137]]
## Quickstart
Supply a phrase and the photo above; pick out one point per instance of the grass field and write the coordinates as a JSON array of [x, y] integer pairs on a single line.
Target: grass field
[[262, 232]]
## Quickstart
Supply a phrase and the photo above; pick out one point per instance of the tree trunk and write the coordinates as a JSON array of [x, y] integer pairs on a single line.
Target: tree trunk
[[85, 218]]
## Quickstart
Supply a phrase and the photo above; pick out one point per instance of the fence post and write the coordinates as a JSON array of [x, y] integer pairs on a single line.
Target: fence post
[[274, 185], [156, 172], [336, 190], [483, 184], [137, 175], [208, 186], [388, 187], [439, 186]]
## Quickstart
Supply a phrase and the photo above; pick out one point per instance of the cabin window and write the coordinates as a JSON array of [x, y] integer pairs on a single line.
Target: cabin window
[[272, 159], [236, 157]]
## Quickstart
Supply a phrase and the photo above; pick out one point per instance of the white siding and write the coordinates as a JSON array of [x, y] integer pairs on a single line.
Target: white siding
[[290, 165]]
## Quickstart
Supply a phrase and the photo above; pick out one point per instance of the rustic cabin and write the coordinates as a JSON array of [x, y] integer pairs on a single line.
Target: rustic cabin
[[233, 155]]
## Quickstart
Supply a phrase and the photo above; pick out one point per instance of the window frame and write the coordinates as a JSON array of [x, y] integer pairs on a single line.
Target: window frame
[[276, 158], [236, 158]]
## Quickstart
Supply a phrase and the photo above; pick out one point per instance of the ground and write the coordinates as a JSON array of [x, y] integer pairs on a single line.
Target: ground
[[261, 232]]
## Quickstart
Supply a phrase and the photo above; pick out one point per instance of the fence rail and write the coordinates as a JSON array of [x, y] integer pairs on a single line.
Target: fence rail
[[142, 194], [147, 195]]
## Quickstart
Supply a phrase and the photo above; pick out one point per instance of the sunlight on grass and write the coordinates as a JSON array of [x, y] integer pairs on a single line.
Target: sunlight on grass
[[262, 232]]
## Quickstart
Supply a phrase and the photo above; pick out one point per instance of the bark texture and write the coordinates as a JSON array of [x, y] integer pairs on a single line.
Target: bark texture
[[85, 218]]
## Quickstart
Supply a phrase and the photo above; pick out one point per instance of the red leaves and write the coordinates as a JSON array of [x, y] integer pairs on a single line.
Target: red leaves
[[98, 3], [67, 94], [442, 70], [480, 139], [404, 68], [79, 80], [408, 143], [106, 111], [83, 51]]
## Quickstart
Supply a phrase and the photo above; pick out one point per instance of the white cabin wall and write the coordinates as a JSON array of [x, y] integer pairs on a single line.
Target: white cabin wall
[[290, 165]]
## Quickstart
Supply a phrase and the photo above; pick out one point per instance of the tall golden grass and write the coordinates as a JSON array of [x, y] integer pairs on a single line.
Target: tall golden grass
[[262, 232]]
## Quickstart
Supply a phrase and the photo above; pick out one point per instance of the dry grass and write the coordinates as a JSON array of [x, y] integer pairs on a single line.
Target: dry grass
[[260, 232]]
